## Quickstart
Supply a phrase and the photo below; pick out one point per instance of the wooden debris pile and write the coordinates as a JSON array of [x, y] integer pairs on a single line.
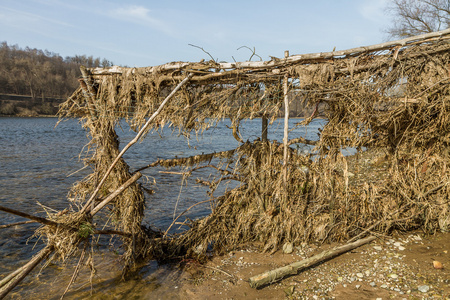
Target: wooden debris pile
[[390, 98]]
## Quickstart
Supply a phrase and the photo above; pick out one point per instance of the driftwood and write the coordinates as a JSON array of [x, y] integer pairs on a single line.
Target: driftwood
[[275, 62], [108, 199], [14, 278], [293, 269], [9, 282]]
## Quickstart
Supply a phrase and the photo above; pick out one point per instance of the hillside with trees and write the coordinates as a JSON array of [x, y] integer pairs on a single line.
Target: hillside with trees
[[33, 82]]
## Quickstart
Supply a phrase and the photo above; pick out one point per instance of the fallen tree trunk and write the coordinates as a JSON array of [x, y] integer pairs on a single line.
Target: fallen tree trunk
[[293, 269]]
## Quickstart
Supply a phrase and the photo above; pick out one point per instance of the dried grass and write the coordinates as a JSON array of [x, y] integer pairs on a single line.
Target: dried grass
[[394, 99]]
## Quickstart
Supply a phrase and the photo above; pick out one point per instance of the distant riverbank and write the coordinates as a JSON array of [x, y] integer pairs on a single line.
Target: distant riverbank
[[28, 106]]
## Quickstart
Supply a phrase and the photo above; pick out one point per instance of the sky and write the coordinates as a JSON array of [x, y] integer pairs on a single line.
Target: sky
[[139, 33]]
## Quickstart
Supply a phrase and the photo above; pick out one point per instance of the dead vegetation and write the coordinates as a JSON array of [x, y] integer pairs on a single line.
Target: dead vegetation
[[391, 97]]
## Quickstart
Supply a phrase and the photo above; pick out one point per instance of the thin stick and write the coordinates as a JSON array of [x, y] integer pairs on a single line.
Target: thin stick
[[133, 141], [286, 124], [173, 222], [28, 216], [401, 209], [17, 223], [75, 272], [293, 269], [117, 192]]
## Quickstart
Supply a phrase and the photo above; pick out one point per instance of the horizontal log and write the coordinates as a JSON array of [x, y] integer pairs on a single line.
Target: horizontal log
[[293, 269], [274, 62]]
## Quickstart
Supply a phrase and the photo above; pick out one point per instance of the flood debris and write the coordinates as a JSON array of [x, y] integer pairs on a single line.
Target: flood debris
[[390, 98]]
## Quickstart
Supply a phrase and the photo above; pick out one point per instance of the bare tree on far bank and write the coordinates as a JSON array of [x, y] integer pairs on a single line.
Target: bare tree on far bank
[[414, 17]]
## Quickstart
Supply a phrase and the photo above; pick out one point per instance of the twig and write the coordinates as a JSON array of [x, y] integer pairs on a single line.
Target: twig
[[17, 223], [201, 48], [222, 271], [113, 232], [86, 166], [193, 205], [28, 216], [253, 52], [376, 224], [75, 272]]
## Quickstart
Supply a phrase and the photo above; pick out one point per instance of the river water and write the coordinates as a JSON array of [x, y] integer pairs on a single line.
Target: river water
[[40, 162]]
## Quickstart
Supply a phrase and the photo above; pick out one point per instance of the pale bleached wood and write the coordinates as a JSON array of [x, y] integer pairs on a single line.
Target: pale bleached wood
[[17, 276], [275, 62], [116, 193], [293, 269]]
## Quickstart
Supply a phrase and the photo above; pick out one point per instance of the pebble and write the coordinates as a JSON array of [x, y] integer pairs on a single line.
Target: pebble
[[360, 275], [378, 248], [288, 248], [357, 286], [373, 284], [384, 286], [401, 248], [424, 288], [393, 276]]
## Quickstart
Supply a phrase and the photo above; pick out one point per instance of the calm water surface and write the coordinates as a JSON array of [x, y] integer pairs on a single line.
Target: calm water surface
[[40, 162]]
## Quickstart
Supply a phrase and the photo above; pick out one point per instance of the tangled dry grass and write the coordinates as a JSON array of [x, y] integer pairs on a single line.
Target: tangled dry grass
[[392, 97]]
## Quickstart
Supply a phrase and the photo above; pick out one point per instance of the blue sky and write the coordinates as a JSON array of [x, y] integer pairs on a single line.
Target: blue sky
[[148, 33]]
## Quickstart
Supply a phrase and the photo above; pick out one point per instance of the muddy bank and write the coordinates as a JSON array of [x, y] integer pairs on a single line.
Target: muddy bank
[[397, 267]]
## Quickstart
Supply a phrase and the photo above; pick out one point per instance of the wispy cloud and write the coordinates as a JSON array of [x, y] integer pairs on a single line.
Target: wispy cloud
[[373, 10], [140, 15], [19, 18]]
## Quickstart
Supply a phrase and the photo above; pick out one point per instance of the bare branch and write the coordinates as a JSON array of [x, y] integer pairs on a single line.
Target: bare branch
[[201, 48], [253, 52]]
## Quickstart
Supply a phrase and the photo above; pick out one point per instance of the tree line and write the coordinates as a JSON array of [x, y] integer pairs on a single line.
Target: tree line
[[41, 75]]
